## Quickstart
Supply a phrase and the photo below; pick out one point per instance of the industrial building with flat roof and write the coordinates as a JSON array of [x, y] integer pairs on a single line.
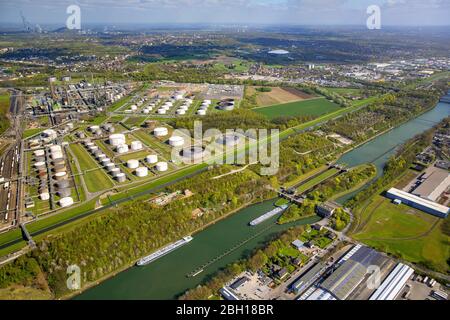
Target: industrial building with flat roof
[[393, 284], [308, 278], [425, 205], [435, 182], [351, 271]]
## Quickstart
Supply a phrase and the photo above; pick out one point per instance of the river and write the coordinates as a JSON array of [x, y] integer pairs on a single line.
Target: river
[[166, 277]]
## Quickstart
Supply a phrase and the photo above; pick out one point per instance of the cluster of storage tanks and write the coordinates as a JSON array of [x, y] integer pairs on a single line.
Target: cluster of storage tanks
[[118, 142], [98, 131], [184, 107], [204, 107], [53, 163], [142, 171], [105, 162]]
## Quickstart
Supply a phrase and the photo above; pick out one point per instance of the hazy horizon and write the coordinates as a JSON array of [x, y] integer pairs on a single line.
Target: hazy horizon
[[239, 12]]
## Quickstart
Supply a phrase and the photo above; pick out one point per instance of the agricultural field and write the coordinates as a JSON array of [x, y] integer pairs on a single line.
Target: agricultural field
[[313, 107], [405, 232], [267, 96]]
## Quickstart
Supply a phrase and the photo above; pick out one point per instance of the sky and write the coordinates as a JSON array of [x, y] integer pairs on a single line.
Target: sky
[[242, 12]]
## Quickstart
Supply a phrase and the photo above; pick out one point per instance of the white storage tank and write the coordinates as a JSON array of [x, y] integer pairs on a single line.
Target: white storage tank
[[176, 141], [146, 111], [152, 158], [56, 155], [110, 166], [136, 145], [61, 175], [93, 128], [44, 196], [121, 177], [162, 166], [142, 172], [55, 148], [181, 111], [101, 156], [133, 107], [123, 148], [115, 171], [162, 111], [160, 132], [39, 153], [132, 164], [66, 202], [117, 139], [105, 161], [201, 112], [39, 164]]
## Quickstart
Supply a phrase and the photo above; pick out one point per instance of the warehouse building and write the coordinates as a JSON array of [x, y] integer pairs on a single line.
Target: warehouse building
[[433, 185], [418, 203], [393, 284], [227, 294], [351, 272], [308, 278]]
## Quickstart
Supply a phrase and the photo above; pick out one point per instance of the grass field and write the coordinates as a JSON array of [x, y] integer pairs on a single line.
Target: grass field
[[96, 180], [312, 107], [316, 180], [405, 232], [31, 132], [4, 108], [345, 91]]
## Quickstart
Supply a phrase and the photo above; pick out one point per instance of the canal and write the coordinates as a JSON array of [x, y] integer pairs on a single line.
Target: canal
[[166, 277]]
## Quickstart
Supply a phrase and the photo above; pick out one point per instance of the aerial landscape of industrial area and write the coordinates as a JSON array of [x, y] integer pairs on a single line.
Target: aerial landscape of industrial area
[[213, 161]]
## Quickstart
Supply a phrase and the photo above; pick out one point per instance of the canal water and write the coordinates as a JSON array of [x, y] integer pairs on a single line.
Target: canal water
[[379, 150], [166, 277]]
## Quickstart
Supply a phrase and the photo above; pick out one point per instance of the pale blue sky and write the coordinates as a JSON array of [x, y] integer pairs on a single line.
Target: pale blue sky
[[301, 12]]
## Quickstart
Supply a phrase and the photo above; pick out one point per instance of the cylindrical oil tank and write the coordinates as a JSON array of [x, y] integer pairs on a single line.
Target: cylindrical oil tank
[[162, 111], [152, 158], [201, 112], [93, 128], [56, 155], [110, 166], [44, 196], [142, 172], [176, 141], [55, 148], [58, 161], [136, 145], [160, 132], [62, 184], [40, 159], [121, 177], [39, 153], [100, 156], [114, 172], [181, 111], [162, 166], [122, 148], [132, 164], [60, 175], [66, 202], [117, 139], [59, 168], [40, 164], [105, 161], [64, 192]]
